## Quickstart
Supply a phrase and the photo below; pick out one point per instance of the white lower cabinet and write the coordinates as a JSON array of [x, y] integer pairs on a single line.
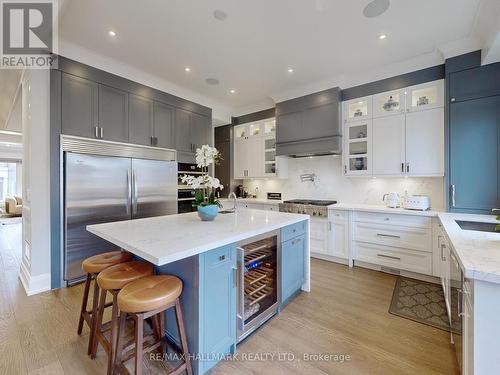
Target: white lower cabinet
[[394, 257], [338, 234], [400, 242], [319, 235], [468, 330]]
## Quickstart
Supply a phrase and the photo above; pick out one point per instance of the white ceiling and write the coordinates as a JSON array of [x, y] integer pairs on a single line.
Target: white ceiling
[[323, 40]]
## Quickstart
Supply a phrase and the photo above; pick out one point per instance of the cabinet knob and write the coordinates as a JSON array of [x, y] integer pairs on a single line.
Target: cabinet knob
[[453, 100]]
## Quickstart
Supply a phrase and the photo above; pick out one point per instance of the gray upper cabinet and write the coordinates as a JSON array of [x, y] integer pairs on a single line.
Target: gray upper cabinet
[[183, 141], [140, 120], [104, 106], [79, 106], [200, 128], [191, 130], [164, 132], [113, 114]]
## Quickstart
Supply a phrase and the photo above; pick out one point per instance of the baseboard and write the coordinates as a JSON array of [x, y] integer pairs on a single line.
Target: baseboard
[[330, 258], [409, 274], [34, 284]]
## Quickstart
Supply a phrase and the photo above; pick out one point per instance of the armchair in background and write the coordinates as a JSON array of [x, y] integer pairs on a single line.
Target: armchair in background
[[14, 206]]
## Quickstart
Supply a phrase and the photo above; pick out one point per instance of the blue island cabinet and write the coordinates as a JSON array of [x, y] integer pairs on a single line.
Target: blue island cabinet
[[292, 262], [209, 305]]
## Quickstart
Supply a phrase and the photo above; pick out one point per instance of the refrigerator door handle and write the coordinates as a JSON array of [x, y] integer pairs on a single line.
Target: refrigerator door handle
[[129, 192], [240, 291], [134, 196]]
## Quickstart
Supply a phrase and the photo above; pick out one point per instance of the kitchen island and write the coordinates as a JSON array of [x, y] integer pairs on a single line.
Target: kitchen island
[[216, 262]]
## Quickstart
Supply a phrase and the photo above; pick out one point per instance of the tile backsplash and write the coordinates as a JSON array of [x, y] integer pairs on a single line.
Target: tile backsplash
[[331, 184]]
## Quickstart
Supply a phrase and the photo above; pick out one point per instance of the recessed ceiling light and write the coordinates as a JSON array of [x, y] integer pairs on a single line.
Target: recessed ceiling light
[[112, 33], [382, 36], [376, 7], [212, 81], [220, 15], [232, 91], [290, 70], [187, 69]]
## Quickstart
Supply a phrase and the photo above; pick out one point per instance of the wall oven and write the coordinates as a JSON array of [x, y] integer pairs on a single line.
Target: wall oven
[[258, 282], [185, 194]]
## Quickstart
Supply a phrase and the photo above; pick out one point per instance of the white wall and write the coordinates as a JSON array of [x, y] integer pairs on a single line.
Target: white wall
[[35, 266], [15, 122], [331, 184]]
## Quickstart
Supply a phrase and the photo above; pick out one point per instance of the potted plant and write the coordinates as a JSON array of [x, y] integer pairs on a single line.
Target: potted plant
[[204, 184]]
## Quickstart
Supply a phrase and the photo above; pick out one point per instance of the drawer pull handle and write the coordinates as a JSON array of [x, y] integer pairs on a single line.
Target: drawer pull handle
[[295, 241], [387, 235], [387, 219], [388, 256], [222, 257]]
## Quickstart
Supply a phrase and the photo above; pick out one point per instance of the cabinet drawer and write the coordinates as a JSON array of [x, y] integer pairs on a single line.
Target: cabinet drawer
[[403, 259], [394, 219], [337, 215], [217, 257], [293, 231], [391, 235]]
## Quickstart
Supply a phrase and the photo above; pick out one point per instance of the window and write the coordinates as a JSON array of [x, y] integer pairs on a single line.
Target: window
[[10, 180]]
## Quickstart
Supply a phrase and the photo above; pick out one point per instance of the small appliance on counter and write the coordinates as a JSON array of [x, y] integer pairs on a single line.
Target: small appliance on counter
[[392, 200], [274, 196], [417, 202], [240, 191]]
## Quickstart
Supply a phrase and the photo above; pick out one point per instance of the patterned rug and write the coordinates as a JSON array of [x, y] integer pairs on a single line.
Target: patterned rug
[[421, 302]]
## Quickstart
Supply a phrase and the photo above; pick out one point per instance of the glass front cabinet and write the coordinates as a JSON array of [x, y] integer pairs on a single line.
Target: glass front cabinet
[[255, 151], [409, 120]]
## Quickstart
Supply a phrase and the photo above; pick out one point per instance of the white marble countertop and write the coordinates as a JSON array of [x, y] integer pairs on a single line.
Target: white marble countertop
[[478, 252], [380, 208], [165, 239]]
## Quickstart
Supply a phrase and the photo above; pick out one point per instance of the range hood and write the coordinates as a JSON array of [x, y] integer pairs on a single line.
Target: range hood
[[309, 125], [311, 147]]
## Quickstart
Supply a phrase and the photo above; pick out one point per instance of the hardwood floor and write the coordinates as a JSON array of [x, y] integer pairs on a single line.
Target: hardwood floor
[[345, 314]]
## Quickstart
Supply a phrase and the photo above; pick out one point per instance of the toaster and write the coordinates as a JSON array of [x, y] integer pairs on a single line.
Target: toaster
[[417, 202]]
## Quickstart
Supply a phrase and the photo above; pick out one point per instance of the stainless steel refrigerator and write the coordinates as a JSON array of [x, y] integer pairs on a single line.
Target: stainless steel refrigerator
[[102, 188]]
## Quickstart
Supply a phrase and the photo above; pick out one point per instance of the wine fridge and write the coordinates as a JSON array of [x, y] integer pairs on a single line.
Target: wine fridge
[[258, 281]]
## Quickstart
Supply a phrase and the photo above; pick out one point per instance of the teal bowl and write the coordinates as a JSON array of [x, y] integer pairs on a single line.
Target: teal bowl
[[208, 213]]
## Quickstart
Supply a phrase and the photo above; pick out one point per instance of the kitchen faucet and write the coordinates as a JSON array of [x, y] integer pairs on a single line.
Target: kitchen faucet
[[233, 195]]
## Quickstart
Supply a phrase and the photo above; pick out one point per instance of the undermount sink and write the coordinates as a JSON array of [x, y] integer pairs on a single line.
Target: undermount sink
[[226, 212], [477, 226]]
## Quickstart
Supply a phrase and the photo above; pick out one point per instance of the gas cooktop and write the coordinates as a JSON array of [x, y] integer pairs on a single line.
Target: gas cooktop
[[312, 207], [312, 202]]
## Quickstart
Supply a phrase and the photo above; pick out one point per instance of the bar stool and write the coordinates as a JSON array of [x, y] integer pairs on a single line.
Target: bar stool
[[92, 266], [111, 280], [150, 297]]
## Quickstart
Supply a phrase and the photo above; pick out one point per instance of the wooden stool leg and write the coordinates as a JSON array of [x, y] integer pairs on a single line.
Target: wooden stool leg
[[139, 326], [114, 333], [182, 334], [98, 323], [161, 318], [93, 317], [120, 340], [84, 302]]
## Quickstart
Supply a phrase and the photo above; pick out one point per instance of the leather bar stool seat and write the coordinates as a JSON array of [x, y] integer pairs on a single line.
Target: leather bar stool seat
[[149, 293], [92, 266], [116, 277], [112, 280], [150, 297], [99, 262]]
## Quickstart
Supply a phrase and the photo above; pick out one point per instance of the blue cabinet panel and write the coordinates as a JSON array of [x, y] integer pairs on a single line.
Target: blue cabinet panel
[[475, 155], [292, 266], [293, 230], [475, 83], [217, 304]]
